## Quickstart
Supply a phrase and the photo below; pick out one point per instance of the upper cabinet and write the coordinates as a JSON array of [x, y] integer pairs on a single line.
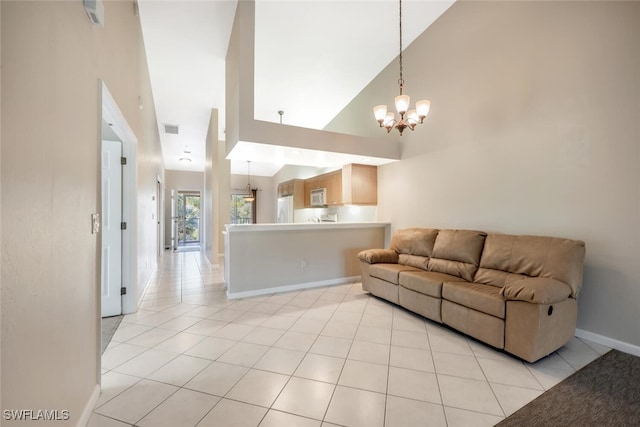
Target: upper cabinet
[[359, 184], [354, 184], [329, 181], [295, 188]]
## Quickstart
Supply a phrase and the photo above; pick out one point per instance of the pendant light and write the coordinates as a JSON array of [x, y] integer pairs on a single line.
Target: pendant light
[[249, 197], [408, 118]]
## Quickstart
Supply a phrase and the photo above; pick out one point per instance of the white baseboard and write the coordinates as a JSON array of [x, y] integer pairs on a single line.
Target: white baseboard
[[88, 409], [295, 287], [609, 342]]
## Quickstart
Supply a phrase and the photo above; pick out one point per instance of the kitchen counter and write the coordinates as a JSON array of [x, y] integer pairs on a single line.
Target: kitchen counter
[[303, 226], [268, 258]]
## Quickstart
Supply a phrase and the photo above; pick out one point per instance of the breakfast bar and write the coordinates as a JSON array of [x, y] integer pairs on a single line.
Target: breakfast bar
[[268, 258]]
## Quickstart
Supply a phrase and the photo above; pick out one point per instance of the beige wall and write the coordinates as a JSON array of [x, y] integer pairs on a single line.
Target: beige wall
[[216, 190], [52, 60], [150, 168], [210, 190], [534, 128]]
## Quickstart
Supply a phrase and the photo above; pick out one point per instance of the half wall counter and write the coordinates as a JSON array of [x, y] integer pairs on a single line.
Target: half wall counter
[[269, 258]]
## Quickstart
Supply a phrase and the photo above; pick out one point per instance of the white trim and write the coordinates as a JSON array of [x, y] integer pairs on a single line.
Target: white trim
[[112, 114], [88, 408], [296, 287], [609, 342]]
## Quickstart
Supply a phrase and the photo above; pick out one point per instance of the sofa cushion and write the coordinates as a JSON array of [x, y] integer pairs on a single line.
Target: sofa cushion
[[389, 272], [483, 298], [426, 282], [373, 256], [414, 241], [457, 252], [417, 261], [535, 256]]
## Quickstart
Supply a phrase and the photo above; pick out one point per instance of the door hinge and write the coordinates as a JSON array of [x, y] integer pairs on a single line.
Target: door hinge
[[123, 291], [123, 226], [123, 161]]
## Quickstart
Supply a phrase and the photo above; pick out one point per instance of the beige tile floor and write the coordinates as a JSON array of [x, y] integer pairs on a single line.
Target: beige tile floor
[[320, 357]]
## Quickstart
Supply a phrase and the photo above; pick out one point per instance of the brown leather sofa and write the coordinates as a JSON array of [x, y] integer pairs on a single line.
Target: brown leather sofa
[[516, 293]]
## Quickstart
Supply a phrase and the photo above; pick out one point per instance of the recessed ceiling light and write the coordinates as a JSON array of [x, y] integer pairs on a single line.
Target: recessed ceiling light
[[186, 157]]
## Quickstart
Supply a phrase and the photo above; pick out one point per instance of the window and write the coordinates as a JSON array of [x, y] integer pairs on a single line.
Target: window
[[243, 212], [189, 218]]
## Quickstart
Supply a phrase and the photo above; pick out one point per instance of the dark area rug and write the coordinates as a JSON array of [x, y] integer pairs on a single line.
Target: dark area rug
[[606, 392]]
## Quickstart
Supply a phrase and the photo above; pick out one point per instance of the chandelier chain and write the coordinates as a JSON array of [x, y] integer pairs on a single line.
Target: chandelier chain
[[401, 80]]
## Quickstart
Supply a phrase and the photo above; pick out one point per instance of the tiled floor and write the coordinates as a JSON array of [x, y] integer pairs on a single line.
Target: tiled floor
[[321, 357]]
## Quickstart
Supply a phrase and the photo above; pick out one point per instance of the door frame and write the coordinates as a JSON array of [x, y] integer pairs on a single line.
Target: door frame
[[159, 218], [185, 194], [111, 114], [114, 195]]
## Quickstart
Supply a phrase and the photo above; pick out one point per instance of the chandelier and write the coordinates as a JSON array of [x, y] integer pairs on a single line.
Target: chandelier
[[249, 195], [408, 119]]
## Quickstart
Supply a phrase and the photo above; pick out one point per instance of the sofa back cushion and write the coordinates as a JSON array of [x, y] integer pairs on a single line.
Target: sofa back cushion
[[414, 246], [506, 258], [457, 252]]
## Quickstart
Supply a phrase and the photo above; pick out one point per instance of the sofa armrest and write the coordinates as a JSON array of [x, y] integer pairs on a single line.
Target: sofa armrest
[[375, 256], [536, 290]]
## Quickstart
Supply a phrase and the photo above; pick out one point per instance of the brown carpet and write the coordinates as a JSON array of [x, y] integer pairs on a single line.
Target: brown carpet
[[606, 392]]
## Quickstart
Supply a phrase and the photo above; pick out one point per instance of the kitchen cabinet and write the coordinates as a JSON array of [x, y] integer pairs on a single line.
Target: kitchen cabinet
[[295, 188], [332, 181], [354, 184], [359, 184], [333, 184]]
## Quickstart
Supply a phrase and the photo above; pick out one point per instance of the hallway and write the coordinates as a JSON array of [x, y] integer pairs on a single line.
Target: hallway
[[318, 357]]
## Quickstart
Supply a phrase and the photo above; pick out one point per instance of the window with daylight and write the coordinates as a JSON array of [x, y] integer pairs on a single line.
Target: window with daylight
[[243, 212]]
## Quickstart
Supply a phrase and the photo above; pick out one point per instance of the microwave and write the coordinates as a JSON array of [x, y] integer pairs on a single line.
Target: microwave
[[318, 197]]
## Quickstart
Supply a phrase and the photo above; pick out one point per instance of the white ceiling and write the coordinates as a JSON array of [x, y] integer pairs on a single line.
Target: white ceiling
[[311, 58]]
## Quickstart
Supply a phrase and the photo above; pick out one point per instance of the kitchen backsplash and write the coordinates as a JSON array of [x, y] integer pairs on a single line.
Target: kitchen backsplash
[[344, 214]]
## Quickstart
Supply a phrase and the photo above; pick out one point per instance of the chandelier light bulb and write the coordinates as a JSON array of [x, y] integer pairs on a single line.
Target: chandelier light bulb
[[412, 118], [422, 108], [389, 120], [402, 104], [380, 112]]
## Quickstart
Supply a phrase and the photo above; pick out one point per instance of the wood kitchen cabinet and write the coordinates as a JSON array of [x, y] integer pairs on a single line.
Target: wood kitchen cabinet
[[333, 184], [359, 184], [354, 184], [311, 184], [295, 188]]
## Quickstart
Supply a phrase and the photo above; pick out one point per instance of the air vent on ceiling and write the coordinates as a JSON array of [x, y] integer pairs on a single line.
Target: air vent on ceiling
[[171, 129]]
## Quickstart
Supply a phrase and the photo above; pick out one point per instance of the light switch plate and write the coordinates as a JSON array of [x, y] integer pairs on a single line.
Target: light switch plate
[[95, 223]]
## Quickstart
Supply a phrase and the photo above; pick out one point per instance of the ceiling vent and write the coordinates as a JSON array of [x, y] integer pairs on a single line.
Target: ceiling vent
[[171, 129]]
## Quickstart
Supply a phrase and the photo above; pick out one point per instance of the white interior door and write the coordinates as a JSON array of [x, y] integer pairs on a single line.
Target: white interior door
[[111, 274]]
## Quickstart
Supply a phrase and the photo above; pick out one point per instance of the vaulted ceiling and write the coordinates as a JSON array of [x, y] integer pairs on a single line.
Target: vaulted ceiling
[[311, 58]]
